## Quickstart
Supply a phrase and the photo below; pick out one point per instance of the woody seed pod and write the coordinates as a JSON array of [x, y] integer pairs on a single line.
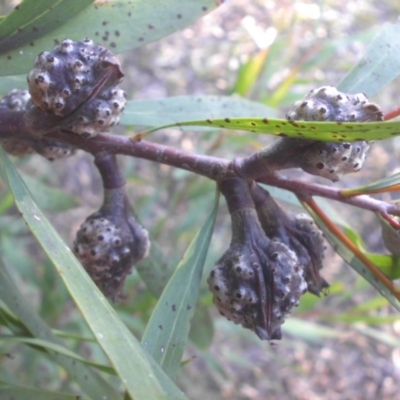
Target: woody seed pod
[[332, 160], [77, 82], [258, 281], [298, 231]]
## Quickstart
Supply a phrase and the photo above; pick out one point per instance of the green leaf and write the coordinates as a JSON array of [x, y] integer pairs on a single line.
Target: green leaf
[[53, 347], [120, 25], [8, 83], [9, 392], [33, 19], [250, 72], [355, 262], [168, 329], [389, 265], [379, 65], [90, 382], [390, 236], [202, 328], [155, 270], [174, 109], [140, 374], [323, 131], [49, 198], [309, 331], [379, 185]]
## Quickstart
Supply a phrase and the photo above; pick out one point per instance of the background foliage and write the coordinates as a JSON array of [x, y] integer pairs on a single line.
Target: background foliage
[[60, 336]]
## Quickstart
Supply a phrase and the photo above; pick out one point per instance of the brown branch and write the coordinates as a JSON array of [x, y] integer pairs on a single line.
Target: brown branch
[[15, 125], [315, 189]]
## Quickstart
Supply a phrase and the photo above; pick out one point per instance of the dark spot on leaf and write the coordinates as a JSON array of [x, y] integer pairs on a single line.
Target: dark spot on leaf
[[141, 39], [227, 120], [104, 23], [188, 307], [173, 307], [150, 26], [160, 327], [204, 8], [113, 45], [179, 16], [209, 121], [117, 33], [253, 124], [265, 121]]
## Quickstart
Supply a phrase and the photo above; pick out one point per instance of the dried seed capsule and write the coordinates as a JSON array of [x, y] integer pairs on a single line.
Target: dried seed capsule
[[17, 100], [297, 231], [77, 81], [332, 160], [110, 242], [258, 281], [20, 100], [53, 150]]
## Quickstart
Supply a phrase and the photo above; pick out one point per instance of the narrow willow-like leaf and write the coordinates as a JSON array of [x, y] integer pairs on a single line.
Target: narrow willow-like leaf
[[309, 331], [140, 374], [46, 345], [390, 236], [11, 392], [202, 328], [48, 198], [168, 329], [323, 131], [389, 265], [33, 19], [120, 25], [174, 109], [348, 256], [379, 65], [90, 382], [155, 270], [384, 184], [8, 83]]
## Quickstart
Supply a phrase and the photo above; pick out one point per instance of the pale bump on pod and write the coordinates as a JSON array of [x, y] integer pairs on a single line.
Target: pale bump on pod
[[333, 160], [77, 81]]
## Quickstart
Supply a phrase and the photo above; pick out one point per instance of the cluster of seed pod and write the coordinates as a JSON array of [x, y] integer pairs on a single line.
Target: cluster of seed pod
[[77, 83], [272, 260], [20, 100]]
